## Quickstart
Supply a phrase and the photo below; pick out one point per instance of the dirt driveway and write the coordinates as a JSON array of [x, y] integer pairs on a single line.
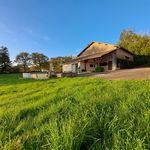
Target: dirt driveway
[[138, 73]]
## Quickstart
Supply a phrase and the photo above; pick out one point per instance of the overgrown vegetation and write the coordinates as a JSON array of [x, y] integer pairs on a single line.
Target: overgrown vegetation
[[138, 44], [74, 114]]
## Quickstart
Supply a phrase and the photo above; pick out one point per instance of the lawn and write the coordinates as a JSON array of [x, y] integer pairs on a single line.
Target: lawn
[[74, 114]]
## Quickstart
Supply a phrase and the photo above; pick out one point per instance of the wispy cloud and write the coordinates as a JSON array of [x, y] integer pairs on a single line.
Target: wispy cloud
[[36, 35]]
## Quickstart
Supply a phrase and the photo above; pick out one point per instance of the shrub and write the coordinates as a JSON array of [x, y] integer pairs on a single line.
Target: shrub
[[141, 60], [99, 69]]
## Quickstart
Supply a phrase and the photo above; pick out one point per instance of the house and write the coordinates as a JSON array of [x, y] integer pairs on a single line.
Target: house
[[108, 56]]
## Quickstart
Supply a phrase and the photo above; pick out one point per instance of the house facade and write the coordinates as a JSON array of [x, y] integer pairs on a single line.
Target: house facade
[[108, 56]]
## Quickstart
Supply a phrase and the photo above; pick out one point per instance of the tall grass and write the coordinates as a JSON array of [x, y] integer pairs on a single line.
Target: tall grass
[[74, 114]]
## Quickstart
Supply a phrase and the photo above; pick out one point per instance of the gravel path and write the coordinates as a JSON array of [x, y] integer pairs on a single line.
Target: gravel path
[[138, 73]]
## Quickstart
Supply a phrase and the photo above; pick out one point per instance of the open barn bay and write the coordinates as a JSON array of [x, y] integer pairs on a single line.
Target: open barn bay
[[74, 114]]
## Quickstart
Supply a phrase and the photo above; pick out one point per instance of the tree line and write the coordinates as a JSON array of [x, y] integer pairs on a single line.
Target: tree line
[[35, 61], [136, 43], [30, 62]]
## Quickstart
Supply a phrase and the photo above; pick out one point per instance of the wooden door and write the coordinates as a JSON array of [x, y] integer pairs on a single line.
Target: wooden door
[[110, 65]]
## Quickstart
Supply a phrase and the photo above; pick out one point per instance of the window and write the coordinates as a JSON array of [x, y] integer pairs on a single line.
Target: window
[[103, 64], [92, 65]]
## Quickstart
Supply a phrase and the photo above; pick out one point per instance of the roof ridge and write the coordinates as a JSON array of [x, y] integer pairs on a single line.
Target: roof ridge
[[106, 43]]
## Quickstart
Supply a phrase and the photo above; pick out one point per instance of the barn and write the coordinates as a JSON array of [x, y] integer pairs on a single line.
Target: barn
[[108, 56]]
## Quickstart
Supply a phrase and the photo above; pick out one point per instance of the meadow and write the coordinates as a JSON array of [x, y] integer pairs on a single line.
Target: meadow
[[74, 114]]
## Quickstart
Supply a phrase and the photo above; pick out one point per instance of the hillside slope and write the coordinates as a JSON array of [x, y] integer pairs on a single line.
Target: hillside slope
[[73, 114]]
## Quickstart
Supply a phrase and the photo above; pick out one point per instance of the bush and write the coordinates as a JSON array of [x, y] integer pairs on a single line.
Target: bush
[[141, 60], [99, 69], [124, 64]]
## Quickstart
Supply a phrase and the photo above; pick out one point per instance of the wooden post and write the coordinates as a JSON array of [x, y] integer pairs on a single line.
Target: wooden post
[[85, 62]]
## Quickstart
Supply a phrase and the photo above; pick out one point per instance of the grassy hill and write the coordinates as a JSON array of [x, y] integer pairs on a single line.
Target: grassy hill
[[74, 114]]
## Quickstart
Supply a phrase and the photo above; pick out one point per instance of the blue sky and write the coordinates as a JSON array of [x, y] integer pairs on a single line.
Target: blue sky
[[65, 27]]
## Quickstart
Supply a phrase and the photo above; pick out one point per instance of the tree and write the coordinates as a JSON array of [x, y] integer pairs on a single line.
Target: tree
[[137, 44], [16, 69], [24, 59], [40, 61], [58, 61], [5, 62]]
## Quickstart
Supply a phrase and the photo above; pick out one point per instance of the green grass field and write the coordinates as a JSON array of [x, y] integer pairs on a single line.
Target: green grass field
[[74, 114]]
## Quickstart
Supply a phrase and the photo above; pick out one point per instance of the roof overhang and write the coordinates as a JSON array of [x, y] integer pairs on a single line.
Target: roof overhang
[[96, 55]]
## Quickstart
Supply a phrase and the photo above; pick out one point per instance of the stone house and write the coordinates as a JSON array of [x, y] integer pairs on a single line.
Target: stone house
[[108, 56]]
